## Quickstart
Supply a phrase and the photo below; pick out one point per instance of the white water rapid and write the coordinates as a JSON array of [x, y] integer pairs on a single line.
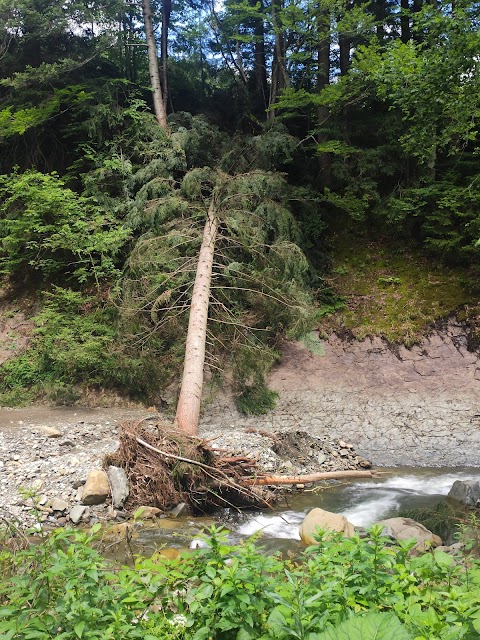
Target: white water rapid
[[362, 503]]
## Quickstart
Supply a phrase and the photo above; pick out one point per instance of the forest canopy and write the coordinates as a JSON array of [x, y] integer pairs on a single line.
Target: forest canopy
[[298, 118]]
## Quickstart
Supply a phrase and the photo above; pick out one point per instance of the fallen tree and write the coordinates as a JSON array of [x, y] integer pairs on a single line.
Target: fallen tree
[[166, 467], [263, 480]]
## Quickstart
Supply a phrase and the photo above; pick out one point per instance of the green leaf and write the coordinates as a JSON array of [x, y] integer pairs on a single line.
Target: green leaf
[[373, 626], [78, 628]]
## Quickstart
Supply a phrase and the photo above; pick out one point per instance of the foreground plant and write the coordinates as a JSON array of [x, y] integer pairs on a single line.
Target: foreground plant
[[342, 589]]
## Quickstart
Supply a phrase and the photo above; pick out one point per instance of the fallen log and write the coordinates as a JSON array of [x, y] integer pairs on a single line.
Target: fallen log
[[312, 477]]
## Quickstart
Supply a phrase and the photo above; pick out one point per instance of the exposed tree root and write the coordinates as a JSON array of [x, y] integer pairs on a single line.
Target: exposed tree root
[[165, 467]]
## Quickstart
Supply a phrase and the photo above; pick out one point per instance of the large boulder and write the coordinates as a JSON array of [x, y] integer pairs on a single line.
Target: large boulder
[[466, 492], [327, 521], [406, 529], [97, 487]]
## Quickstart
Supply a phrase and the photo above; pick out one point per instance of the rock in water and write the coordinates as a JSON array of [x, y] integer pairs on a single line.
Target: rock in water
[[466, 491], [119, 485], [321, 519], [178, 510], [406, 529], [97, 487], [148, 513]]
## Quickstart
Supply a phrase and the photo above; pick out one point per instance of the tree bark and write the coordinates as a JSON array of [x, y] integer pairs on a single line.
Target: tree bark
[[405, 33], [166, 12], [188, 408], [260, 65], [312, 477], [323, 79], [158, 104], [280, 79]]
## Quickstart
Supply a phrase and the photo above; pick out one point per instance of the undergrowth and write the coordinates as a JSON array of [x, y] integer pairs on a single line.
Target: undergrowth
[[392, 292], [344, 588], [75, 345]]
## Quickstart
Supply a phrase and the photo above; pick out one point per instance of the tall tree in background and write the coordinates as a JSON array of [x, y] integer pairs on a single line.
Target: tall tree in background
[[158, 101]]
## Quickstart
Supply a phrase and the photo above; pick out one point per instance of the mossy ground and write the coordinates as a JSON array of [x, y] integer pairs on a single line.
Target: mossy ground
[[394, 292]]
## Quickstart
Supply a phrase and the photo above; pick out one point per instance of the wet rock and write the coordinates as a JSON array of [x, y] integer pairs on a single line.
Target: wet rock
[[320, 519], [118, 532], [119, 485], [77, 512], [148, 513], [406, 529], [97, 488], [178, 510], [466, 492], [198, 543]]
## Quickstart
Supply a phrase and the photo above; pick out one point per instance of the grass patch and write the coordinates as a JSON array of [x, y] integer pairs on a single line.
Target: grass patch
[[391, 291]]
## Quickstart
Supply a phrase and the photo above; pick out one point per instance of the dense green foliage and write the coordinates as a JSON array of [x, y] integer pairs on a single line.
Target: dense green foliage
[[303, 117], [342, 588]]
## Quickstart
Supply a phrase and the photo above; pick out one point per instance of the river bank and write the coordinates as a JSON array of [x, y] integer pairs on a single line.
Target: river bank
[[359, 400], [414, 407], [50, 453]]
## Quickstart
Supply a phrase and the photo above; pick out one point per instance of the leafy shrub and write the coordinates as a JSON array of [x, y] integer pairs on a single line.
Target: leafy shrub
[[76, 342], [256, 399], [50, 228], [342, 589]]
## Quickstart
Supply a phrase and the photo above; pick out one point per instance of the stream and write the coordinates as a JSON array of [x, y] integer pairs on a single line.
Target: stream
[[363, 502]]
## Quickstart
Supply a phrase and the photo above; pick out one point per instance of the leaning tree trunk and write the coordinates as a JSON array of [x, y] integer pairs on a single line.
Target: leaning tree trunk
[[188, 407], [158, 104]]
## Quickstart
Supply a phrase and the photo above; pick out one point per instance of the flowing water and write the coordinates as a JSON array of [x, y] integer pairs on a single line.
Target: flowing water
[[363, 502]]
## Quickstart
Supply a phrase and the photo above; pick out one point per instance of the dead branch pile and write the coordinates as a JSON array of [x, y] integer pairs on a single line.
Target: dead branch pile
[[165, 467]]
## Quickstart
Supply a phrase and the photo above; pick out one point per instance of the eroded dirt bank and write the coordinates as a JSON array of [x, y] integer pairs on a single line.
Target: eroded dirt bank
[[413, 407], [405, 407]]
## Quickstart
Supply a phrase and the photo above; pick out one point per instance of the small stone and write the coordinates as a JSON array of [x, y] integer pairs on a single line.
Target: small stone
[[97, 488], [77, 512], [178, 510], [51, 432], [76, 484], [300, 486], [57, 504], [147, 513], [342, 444], [111, 513], [344, 452], [321, 457], [365, 464]]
